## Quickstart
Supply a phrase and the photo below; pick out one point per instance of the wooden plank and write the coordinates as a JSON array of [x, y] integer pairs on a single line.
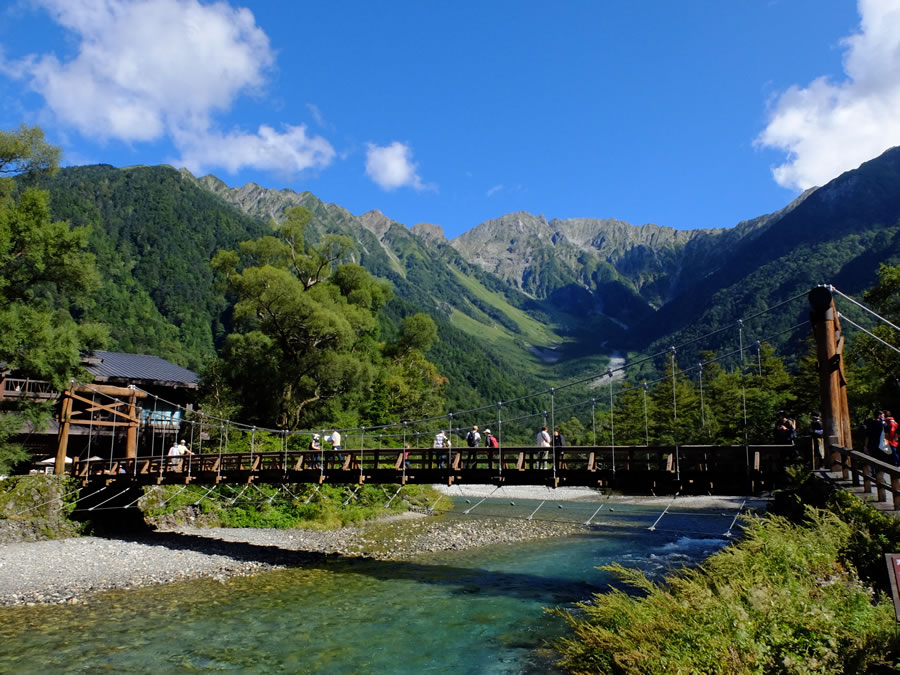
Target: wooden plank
[[109, 390], [108, 408], [96, 423]]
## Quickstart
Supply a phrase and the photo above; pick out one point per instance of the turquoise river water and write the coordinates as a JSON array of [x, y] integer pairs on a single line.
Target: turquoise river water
[[473, 611]]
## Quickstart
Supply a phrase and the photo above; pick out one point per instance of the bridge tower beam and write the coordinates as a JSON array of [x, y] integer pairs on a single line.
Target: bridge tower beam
[[832, 383]]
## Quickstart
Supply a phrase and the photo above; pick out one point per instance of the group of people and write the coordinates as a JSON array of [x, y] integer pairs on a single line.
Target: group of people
[[474, 441], [545, 440], [176, 455], [785, 429], [881, 437], [335, 455]]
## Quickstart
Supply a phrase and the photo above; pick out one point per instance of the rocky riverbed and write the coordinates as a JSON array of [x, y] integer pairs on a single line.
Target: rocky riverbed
[[70, 570]]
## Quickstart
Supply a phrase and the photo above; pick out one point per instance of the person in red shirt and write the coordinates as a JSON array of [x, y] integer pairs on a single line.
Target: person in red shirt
[[890, 435]]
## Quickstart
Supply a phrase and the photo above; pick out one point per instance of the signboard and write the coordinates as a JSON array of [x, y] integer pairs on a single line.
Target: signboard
[[893, 564]]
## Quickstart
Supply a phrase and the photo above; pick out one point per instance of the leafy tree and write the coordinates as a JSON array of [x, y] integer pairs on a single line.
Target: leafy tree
[[306, 352], [25, 152], [40, 260], [875, 366]]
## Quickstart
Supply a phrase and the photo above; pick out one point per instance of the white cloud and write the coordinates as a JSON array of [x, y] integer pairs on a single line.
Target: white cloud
[[266, 150], [494, 190], [830, 127], [391, 166], [148, 69]]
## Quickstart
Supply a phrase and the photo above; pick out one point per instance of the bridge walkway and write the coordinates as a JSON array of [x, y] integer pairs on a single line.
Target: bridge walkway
[[638, 469]]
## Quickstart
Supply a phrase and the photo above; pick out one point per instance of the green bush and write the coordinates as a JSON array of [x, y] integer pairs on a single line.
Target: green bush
[[298, 506], [780, 600]]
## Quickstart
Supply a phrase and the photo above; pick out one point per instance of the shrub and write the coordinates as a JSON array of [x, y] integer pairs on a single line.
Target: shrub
[[779, 600]]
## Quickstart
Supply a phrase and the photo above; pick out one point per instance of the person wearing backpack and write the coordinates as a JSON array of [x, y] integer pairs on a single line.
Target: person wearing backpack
[[473, 440]]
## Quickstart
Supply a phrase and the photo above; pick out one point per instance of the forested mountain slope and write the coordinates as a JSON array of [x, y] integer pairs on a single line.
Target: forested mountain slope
[[153, 234], [520, 301], [839, 234], [155, 230]]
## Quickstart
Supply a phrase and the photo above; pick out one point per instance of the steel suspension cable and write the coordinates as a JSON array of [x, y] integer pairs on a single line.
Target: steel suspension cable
[[744, 395], [870, 334], [612, 423], [862, 306], [553, 437], [675, 421]]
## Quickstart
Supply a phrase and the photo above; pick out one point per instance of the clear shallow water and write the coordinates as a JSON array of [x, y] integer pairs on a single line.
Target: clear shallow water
[[476, 611]]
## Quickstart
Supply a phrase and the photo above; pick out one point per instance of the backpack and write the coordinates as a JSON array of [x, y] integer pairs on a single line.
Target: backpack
[[470, 439], [492, 442]]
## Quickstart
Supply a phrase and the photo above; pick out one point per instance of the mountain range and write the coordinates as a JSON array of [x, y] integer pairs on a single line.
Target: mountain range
[[520, 301]]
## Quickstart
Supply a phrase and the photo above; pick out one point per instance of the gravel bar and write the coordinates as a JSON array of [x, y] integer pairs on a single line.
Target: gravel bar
[[70, 570]]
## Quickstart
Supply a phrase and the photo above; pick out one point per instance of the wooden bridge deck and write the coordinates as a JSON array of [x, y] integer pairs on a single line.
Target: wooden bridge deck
[[641, 469]]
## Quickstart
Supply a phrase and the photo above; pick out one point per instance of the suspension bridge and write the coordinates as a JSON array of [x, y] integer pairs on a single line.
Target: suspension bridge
[[127, 444]]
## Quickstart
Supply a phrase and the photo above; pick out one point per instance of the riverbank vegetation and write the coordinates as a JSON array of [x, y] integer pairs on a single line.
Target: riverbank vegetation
[[805, 590], [285, 507], [38, 507]]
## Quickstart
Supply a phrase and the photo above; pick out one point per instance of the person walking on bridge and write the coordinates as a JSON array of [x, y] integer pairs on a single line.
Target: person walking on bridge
[[875, 444], [543, 441], [316, 446], [559, 442], [491, 443], [336, 457], [176, 452], [473, 440], [441, 440], [890, 436]]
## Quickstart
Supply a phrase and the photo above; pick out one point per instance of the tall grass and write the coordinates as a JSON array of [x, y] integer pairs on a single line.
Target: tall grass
[[784, 599]]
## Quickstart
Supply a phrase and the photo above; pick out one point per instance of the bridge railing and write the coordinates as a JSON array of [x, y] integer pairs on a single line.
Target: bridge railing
[[23, 387], [705, 467], [870, 472]]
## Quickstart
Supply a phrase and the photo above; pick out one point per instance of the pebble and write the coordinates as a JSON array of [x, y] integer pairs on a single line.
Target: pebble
[[68, 571]]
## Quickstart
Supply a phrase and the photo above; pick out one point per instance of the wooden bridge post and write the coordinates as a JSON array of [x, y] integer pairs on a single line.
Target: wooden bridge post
[[131, 434], [62, 445], [831, 384]]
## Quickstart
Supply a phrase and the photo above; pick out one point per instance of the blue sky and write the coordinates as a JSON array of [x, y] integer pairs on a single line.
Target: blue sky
[[686, 114]]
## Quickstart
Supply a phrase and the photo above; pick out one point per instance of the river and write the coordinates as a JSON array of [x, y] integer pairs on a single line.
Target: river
[[472, 611]]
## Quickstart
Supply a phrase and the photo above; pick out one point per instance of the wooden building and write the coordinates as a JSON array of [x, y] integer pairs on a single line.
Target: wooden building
[[132, 400]]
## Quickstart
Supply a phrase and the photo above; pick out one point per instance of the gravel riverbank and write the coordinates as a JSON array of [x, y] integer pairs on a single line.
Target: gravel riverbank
[[69, 570]]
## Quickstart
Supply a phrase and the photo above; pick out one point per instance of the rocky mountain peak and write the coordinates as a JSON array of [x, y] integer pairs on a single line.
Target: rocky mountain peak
[[376, 222], [433, 234]]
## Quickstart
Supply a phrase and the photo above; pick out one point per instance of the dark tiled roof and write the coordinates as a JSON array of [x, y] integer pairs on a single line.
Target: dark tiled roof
[[137, 367]]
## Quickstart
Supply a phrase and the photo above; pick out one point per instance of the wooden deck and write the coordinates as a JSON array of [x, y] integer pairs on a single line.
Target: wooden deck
[[635, 469]]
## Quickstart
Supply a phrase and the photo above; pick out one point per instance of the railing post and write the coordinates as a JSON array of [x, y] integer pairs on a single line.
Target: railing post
[[847, 464], [895, 495], [879, 483]]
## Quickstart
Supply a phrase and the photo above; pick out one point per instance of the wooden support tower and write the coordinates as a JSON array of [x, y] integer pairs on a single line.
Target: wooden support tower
[[832, 381], [118, 417]]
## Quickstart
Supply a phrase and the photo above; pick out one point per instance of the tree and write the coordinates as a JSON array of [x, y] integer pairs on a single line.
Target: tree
[[25, 152], [306, 352], [40, 261], [874, 366]]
